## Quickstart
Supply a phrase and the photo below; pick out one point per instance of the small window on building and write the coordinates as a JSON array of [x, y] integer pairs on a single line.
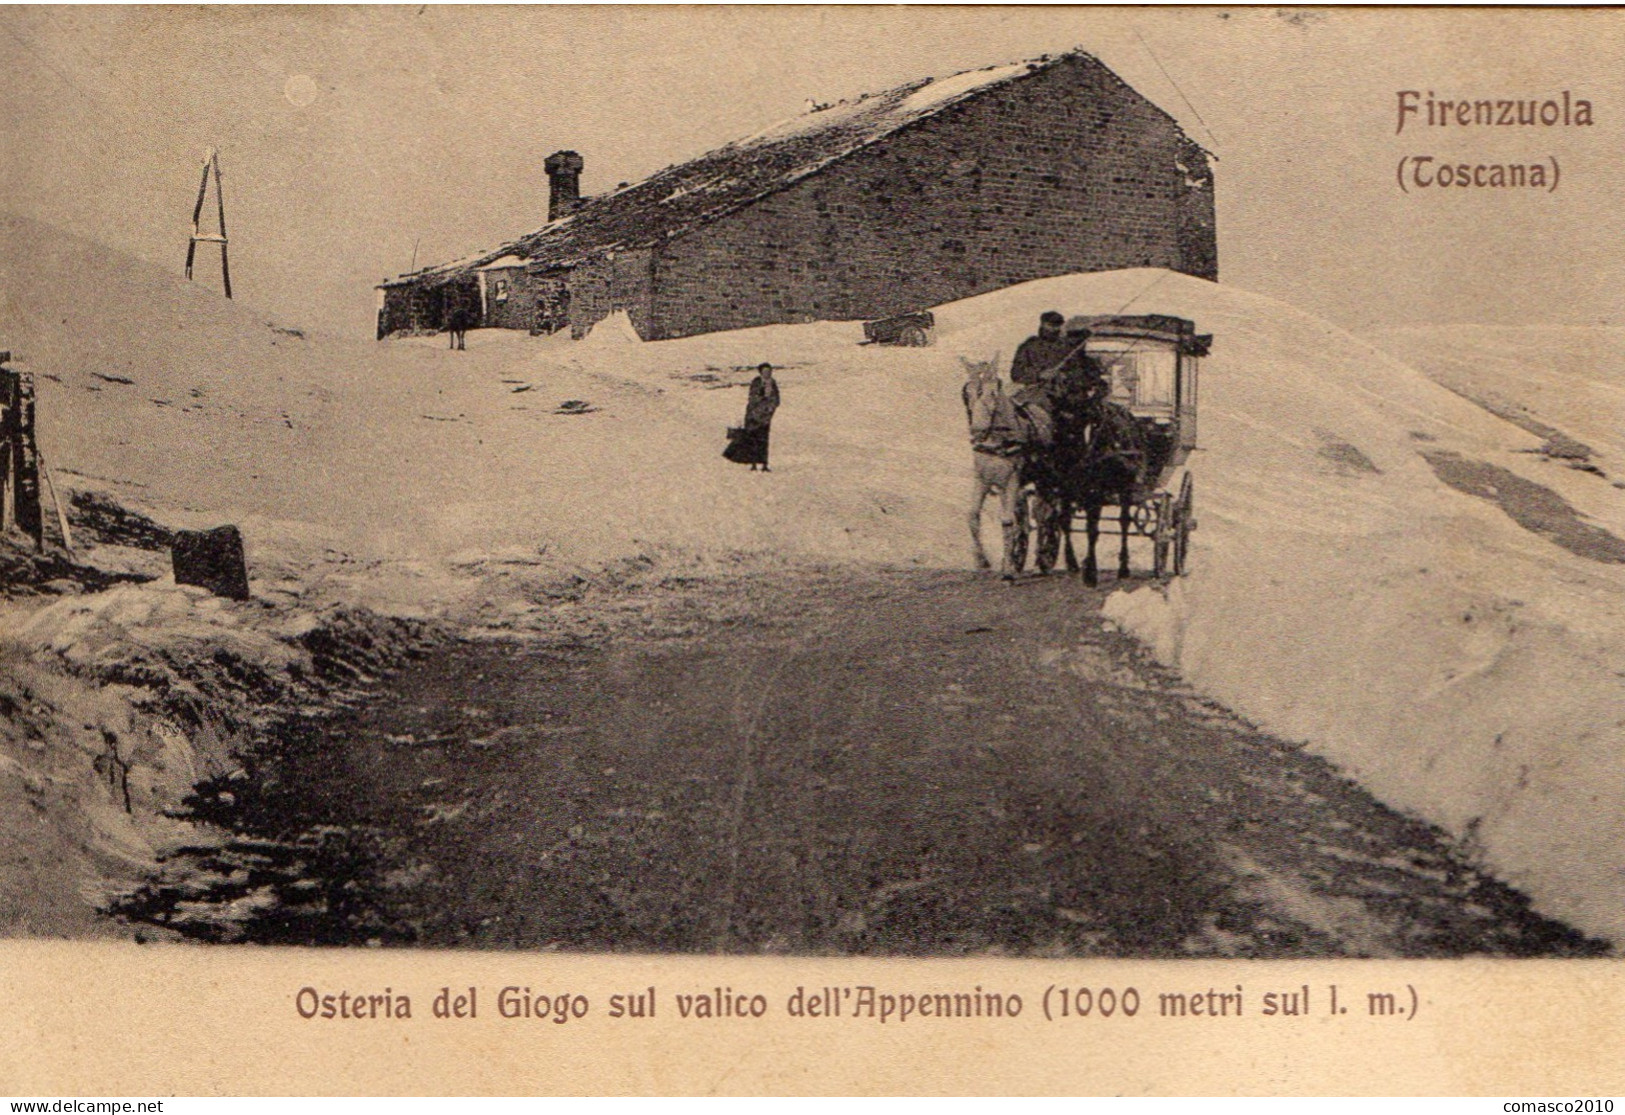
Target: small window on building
[[500, 292]]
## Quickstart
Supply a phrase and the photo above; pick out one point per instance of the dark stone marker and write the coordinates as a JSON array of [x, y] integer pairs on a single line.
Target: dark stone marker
[[213, 559]]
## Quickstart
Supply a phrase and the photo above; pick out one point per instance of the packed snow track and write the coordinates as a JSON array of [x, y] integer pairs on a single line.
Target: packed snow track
[[810, 763]]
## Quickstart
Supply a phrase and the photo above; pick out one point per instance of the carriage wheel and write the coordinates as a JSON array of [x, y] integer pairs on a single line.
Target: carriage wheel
[[1162, 543], [1047, 526], [1145, 517], [1185, 522], [1049, 543], [913, 336], [1018, 543]]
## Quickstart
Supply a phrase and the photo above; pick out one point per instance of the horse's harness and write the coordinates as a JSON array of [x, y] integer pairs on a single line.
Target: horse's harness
[[1002, 447]]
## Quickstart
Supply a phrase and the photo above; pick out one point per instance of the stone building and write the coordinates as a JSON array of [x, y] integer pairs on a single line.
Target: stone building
[[930, 192]]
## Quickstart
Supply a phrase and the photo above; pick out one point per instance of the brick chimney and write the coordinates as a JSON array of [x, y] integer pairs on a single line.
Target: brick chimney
[[564, 178]]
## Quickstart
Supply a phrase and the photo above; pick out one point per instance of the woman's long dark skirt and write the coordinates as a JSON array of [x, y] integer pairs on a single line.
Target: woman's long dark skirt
[[749, 447]]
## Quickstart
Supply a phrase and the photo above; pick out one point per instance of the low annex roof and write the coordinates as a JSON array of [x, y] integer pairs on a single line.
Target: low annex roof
[[680, 198]]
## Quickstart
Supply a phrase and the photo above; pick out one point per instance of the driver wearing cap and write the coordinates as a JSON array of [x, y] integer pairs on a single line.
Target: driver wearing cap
[[1041, 353]]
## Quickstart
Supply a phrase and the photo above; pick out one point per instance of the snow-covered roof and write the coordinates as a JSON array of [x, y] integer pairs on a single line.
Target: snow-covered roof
[[680, 198]]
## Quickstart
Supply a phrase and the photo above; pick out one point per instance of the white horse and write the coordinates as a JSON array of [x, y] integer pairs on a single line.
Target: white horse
[[999, 446]]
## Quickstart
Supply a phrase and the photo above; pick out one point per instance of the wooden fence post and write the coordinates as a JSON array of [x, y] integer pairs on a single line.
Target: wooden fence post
[[25, 497], [8, 411]]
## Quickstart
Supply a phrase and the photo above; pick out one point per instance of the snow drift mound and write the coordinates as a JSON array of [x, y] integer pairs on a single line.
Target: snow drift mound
[[152, 385], [1569, 378], [1457, 664], [199, 411]]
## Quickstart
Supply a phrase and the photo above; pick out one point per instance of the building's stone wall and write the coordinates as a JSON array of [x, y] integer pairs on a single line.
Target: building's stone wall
[[408, 309], [1065, 170], [414, 308], [1068, 170], [551, 294], [518, 309], [619, 281]]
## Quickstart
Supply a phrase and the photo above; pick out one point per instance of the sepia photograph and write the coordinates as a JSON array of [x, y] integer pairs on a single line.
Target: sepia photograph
[[1103, 505]]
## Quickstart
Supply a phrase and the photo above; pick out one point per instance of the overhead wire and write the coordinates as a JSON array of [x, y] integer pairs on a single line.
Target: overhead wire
[[1180, 91]]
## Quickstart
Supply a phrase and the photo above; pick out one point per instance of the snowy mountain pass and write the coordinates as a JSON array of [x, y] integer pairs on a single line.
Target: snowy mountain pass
[[1385, 571]]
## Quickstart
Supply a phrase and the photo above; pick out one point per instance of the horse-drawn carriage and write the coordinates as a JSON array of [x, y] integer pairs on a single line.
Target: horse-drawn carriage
[[1132, 457]]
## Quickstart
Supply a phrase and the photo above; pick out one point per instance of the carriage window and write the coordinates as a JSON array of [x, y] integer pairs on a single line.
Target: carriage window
[[1142, 374], [1125, 377], [1154, 380]]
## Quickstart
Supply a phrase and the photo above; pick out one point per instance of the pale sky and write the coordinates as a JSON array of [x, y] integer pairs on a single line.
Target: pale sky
[[349, 135]]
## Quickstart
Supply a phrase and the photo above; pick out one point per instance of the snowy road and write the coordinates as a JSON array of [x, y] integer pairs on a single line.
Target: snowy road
[[904, 763]]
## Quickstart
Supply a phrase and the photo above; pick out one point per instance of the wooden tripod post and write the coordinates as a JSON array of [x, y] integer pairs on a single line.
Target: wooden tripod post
[[211, 161]]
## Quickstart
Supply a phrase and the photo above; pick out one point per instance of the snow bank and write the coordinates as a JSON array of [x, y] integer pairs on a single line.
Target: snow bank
[[203, 412], [122, 701], [1570, 377], [616, 329], [1567, 380]]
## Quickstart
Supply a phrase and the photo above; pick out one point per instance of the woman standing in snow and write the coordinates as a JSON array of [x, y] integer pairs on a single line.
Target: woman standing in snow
[[748, 445]]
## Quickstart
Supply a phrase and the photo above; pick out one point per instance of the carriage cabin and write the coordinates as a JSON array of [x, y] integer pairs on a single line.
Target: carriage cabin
[[1153, 362]]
